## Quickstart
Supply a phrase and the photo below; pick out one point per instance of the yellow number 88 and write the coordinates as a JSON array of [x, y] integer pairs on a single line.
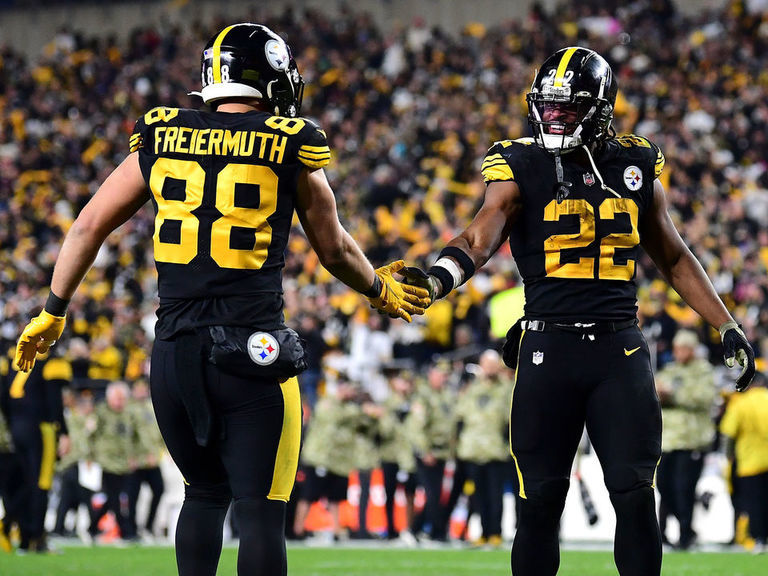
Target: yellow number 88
[[193, 175]]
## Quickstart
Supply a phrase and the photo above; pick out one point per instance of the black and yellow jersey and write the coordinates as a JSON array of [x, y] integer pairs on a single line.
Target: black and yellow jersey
[[578, 257], [34, 397], [223, 186]]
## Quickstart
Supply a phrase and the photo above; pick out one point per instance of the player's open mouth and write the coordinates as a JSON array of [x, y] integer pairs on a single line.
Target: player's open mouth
[[557, 129]]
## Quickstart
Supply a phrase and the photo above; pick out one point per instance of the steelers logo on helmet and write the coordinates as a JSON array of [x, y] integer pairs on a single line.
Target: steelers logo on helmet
[[263, 348], [277, 54], [633, 178]]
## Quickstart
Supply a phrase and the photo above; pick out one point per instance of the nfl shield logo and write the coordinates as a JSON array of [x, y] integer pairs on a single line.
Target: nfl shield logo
[[538, 357], [589, 178]]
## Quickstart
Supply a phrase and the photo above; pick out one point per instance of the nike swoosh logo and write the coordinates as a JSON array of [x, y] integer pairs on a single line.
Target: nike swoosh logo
[[630, 352]]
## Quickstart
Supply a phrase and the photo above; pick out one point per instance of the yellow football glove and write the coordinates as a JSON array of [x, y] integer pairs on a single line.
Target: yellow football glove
[[397, 299], [39, 335]]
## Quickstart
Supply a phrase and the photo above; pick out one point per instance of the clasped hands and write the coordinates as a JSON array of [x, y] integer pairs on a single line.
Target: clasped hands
[[400, 299]]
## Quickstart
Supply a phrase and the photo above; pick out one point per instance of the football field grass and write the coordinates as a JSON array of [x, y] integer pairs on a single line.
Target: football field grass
[[159, 561]]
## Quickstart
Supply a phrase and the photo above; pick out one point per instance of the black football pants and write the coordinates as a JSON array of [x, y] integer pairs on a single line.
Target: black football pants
[[565, 380], [252, 458]]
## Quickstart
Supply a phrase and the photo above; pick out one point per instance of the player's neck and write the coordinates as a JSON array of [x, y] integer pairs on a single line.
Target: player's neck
[[240, 105]]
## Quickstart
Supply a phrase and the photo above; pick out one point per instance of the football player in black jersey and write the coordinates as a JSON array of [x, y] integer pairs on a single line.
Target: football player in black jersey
[[224, 185], [577, 204]]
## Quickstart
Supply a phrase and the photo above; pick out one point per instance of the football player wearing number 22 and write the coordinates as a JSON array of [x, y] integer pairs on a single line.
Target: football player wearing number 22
[[577, 204], [224, 185]]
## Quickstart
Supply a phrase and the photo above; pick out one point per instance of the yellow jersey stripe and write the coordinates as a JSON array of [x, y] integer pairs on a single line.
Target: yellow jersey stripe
[[496, 162], [320, 161], [561, 68], [326, 154], [315, 163], [659, 167], [512, 400], [217, 53], [309, 148], [287, 458], [502, 172]]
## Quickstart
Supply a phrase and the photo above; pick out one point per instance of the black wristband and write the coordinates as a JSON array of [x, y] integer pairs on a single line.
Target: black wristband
[[465, 262], [375, 290], [445, 278], [56, 306]]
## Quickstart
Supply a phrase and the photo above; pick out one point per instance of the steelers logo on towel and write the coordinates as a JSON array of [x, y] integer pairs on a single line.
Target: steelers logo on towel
[[633, 178], [263, 348]]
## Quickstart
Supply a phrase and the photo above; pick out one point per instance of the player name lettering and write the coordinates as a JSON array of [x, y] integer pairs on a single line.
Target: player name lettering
[[183, 140]]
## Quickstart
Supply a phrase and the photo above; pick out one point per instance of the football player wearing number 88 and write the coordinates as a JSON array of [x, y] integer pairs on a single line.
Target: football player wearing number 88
[[578, 204], [224, 183]]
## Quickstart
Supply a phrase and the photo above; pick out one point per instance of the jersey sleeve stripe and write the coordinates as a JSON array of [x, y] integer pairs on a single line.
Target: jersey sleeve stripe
[[325, 154], [308, 148], [501, 172], [134, 145], [324, 160], [487, 164], [315, 163]]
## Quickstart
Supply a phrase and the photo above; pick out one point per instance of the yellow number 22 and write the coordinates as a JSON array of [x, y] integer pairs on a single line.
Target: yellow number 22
[[585, 267]]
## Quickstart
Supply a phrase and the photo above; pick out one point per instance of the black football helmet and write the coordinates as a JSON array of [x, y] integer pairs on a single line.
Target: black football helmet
[[571, 100], [249, 60]]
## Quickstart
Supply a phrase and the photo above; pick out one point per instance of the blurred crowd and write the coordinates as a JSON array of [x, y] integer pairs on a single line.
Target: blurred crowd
[[409, 112]]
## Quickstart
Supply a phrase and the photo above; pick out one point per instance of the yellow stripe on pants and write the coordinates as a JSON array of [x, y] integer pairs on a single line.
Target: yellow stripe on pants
[[517, 466], [287, 459]]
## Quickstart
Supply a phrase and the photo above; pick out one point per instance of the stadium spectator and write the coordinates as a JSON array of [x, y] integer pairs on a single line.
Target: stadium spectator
[[81, 422], [330, 453], [117, 444], [433, 413], [149, 450], [396, 450], [745, 429], [686, 389], [482, 418]]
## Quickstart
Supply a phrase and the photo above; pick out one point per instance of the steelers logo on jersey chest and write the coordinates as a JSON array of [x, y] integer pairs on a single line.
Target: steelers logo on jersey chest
[[633, 178], [263, 348]]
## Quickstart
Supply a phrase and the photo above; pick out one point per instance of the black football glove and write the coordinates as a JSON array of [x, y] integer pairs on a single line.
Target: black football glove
[[417, 277], [736, 348]]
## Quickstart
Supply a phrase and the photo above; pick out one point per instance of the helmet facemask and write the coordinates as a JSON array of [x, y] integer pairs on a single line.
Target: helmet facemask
[[563, 123]]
